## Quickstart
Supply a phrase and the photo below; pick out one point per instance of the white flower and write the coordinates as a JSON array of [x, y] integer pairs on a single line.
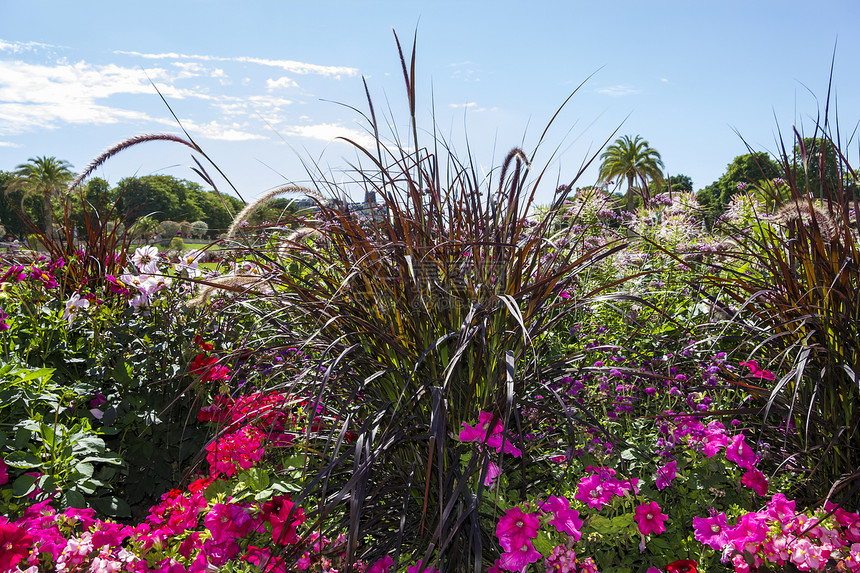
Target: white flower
[[73, 306], [145, 259], [189, 263]]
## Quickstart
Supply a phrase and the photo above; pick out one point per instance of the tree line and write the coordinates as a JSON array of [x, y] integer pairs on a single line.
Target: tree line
[[34, 197]]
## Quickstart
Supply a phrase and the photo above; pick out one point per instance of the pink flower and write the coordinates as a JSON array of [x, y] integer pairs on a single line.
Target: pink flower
[[519, 559], [515, 528], [493, 471], [712, 530], [715, 439], [15, 544], [650, 519], [756, 371], [277, 512], [740, 453], [665, 475], [780, 509], [228, 522], [4, 474], [592, 492], [382, 565], [756, 481], [750, 531], [565, 519], [806, 555]]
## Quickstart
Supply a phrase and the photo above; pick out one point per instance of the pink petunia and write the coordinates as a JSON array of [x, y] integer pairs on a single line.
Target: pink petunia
[[565, 519], [665, 475], [756, 481], [712, 530], [650, 519], [741, 453], [381, 565], [519, 559], [515, 528], [592, 492]]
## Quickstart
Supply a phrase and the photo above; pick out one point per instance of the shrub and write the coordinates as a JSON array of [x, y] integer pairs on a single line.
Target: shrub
[[177, 244]]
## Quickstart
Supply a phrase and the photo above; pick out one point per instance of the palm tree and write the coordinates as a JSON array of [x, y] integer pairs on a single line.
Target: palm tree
[[43, 176], [635, 160]]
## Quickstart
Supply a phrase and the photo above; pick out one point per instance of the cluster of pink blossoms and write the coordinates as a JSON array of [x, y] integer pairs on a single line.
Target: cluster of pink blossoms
[[597, 489], [517, 529], [489, 438], [778, 535]]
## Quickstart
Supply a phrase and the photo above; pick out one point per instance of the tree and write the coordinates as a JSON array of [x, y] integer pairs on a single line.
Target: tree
[[742, 171], [676, 184], [812, 157], [168, 229], [634, 160], [43, 177], [199, 228], [144, 227]]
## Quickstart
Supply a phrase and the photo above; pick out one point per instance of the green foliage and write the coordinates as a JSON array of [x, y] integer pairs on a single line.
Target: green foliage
[[177, 244], [743, 170], [50, 442], [676, 184]]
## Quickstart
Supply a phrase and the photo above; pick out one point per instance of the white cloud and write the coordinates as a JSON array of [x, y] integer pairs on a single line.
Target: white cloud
[[619, 90], [329, 132], [34, 96], [287, 65], [9, 144], [281, 83], [214, 130], [664, 80], [19, 47], [458, 105]]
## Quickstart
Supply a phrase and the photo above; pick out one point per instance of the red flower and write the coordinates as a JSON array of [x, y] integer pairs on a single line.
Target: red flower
[[201, 362], [15, 544], [682, 566]]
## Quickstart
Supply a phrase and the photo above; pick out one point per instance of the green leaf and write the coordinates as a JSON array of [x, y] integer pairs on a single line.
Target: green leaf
[[84, 468], [40, 373], [23, 460], [22, 438], [47, 435], [74, 499], [601, 524], [543, 544], [24, 485], [111, 506]]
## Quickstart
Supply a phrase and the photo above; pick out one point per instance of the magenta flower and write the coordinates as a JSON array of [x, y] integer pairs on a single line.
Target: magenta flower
[[780, 508], [712, 530], [381, 565], [519, 559], [15, 544], [591, 492], [565, 519], [4, 474], [493, 471], [515, 528], [741, 453], [228, 522], [650, 519], [665, 475], [756, 481], [750, 531]]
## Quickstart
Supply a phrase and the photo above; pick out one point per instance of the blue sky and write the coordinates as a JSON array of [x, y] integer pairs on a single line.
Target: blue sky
[[267, 86]]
